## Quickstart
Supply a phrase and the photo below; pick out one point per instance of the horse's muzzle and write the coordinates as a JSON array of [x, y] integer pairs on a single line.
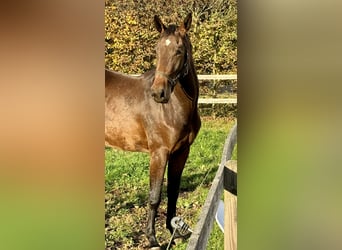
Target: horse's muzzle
[[159, 96], [160, 90]]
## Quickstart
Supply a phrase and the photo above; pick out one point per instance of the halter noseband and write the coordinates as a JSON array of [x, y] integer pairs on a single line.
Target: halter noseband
[[183, 72]]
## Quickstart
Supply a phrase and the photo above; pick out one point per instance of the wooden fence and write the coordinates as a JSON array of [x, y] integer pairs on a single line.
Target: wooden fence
[[215, 100], [199, 238]]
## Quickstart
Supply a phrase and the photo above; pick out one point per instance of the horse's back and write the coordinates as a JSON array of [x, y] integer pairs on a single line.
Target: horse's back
[[116, 78]]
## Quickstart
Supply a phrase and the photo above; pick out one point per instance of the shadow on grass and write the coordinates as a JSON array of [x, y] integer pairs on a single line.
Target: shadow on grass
[[190, 182], [114, 202]]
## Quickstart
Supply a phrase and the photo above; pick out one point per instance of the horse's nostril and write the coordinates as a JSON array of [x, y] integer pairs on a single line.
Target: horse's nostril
[[162, 94], [159, 95]]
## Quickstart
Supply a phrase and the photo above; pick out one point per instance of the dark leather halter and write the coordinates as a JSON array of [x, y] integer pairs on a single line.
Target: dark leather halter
[[183, 72]]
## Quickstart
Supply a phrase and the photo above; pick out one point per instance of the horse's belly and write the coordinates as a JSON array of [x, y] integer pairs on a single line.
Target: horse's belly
[[125, 138]]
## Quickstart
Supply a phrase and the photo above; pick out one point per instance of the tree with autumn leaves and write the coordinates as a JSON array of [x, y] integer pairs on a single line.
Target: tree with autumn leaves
[[130, 36]]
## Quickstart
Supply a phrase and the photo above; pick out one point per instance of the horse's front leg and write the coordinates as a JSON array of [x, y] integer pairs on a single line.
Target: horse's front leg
[[176, 165], [157, 169]]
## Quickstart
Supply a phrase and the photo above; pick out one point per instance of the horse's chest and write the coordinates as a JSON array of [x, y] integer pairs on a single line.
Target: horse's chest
[[178, 137]]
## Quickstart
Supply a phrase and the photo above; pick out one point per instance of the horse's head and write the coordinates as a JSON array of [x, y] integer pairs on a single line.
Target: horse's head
[[172, 56]]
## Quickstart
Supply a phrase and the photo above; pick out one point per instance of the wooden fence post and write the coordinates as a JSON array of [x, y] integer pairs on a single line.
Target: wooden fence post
[[230, 205]]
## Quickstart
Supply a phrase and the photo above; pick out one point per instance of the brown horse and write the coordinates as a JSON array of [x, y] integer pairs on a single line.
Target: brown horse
[[157, 113]]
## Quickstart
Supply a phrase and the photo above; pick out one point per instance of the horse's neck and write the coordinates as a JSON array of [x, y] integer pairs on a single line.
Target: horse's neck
[[190, 83]]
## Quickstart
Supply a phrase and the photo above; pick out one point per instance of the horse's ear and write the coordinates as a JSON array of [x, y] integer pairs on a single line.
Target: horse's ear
[[159, 24], [187, 21], [185, 26]]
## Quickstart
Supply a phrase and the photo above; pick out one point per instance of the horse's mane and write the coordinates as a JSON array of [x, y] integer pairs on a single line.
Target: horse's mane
[[171, 29]]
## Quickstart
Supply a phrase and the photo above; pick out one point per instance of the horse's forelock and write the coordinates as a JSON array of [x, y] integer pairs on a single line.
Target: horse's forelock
[[171, 29]]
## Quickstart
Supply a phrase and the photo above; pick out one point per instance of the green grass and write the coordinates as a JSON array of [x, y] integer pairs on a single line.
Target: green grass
[[126, 187]]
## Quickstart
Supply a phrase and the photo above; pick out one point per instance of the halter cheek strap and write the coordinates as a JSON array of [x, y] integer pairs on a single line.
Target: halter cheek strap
[[173, 81]]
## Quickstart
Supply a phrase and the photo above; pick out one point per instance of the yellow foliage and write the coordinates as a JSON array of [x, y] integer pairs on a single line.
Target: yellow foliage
[[130, 36]]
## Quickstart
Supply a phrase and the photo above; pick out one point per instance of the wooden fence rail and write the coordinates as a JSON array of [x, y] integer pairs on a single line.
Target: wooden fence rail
[[217, 77], [211, 77], [199, 238], [217, 100]]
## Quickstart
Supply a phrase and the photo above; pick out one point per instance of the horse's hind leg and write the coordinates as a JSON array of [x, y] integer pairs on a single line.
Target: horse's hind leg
[[176, 165], [157, 169]]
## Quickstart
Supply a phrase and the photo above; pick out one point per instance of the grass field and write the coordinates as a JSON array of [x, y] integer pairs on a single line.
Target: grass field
[[127, 188]]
